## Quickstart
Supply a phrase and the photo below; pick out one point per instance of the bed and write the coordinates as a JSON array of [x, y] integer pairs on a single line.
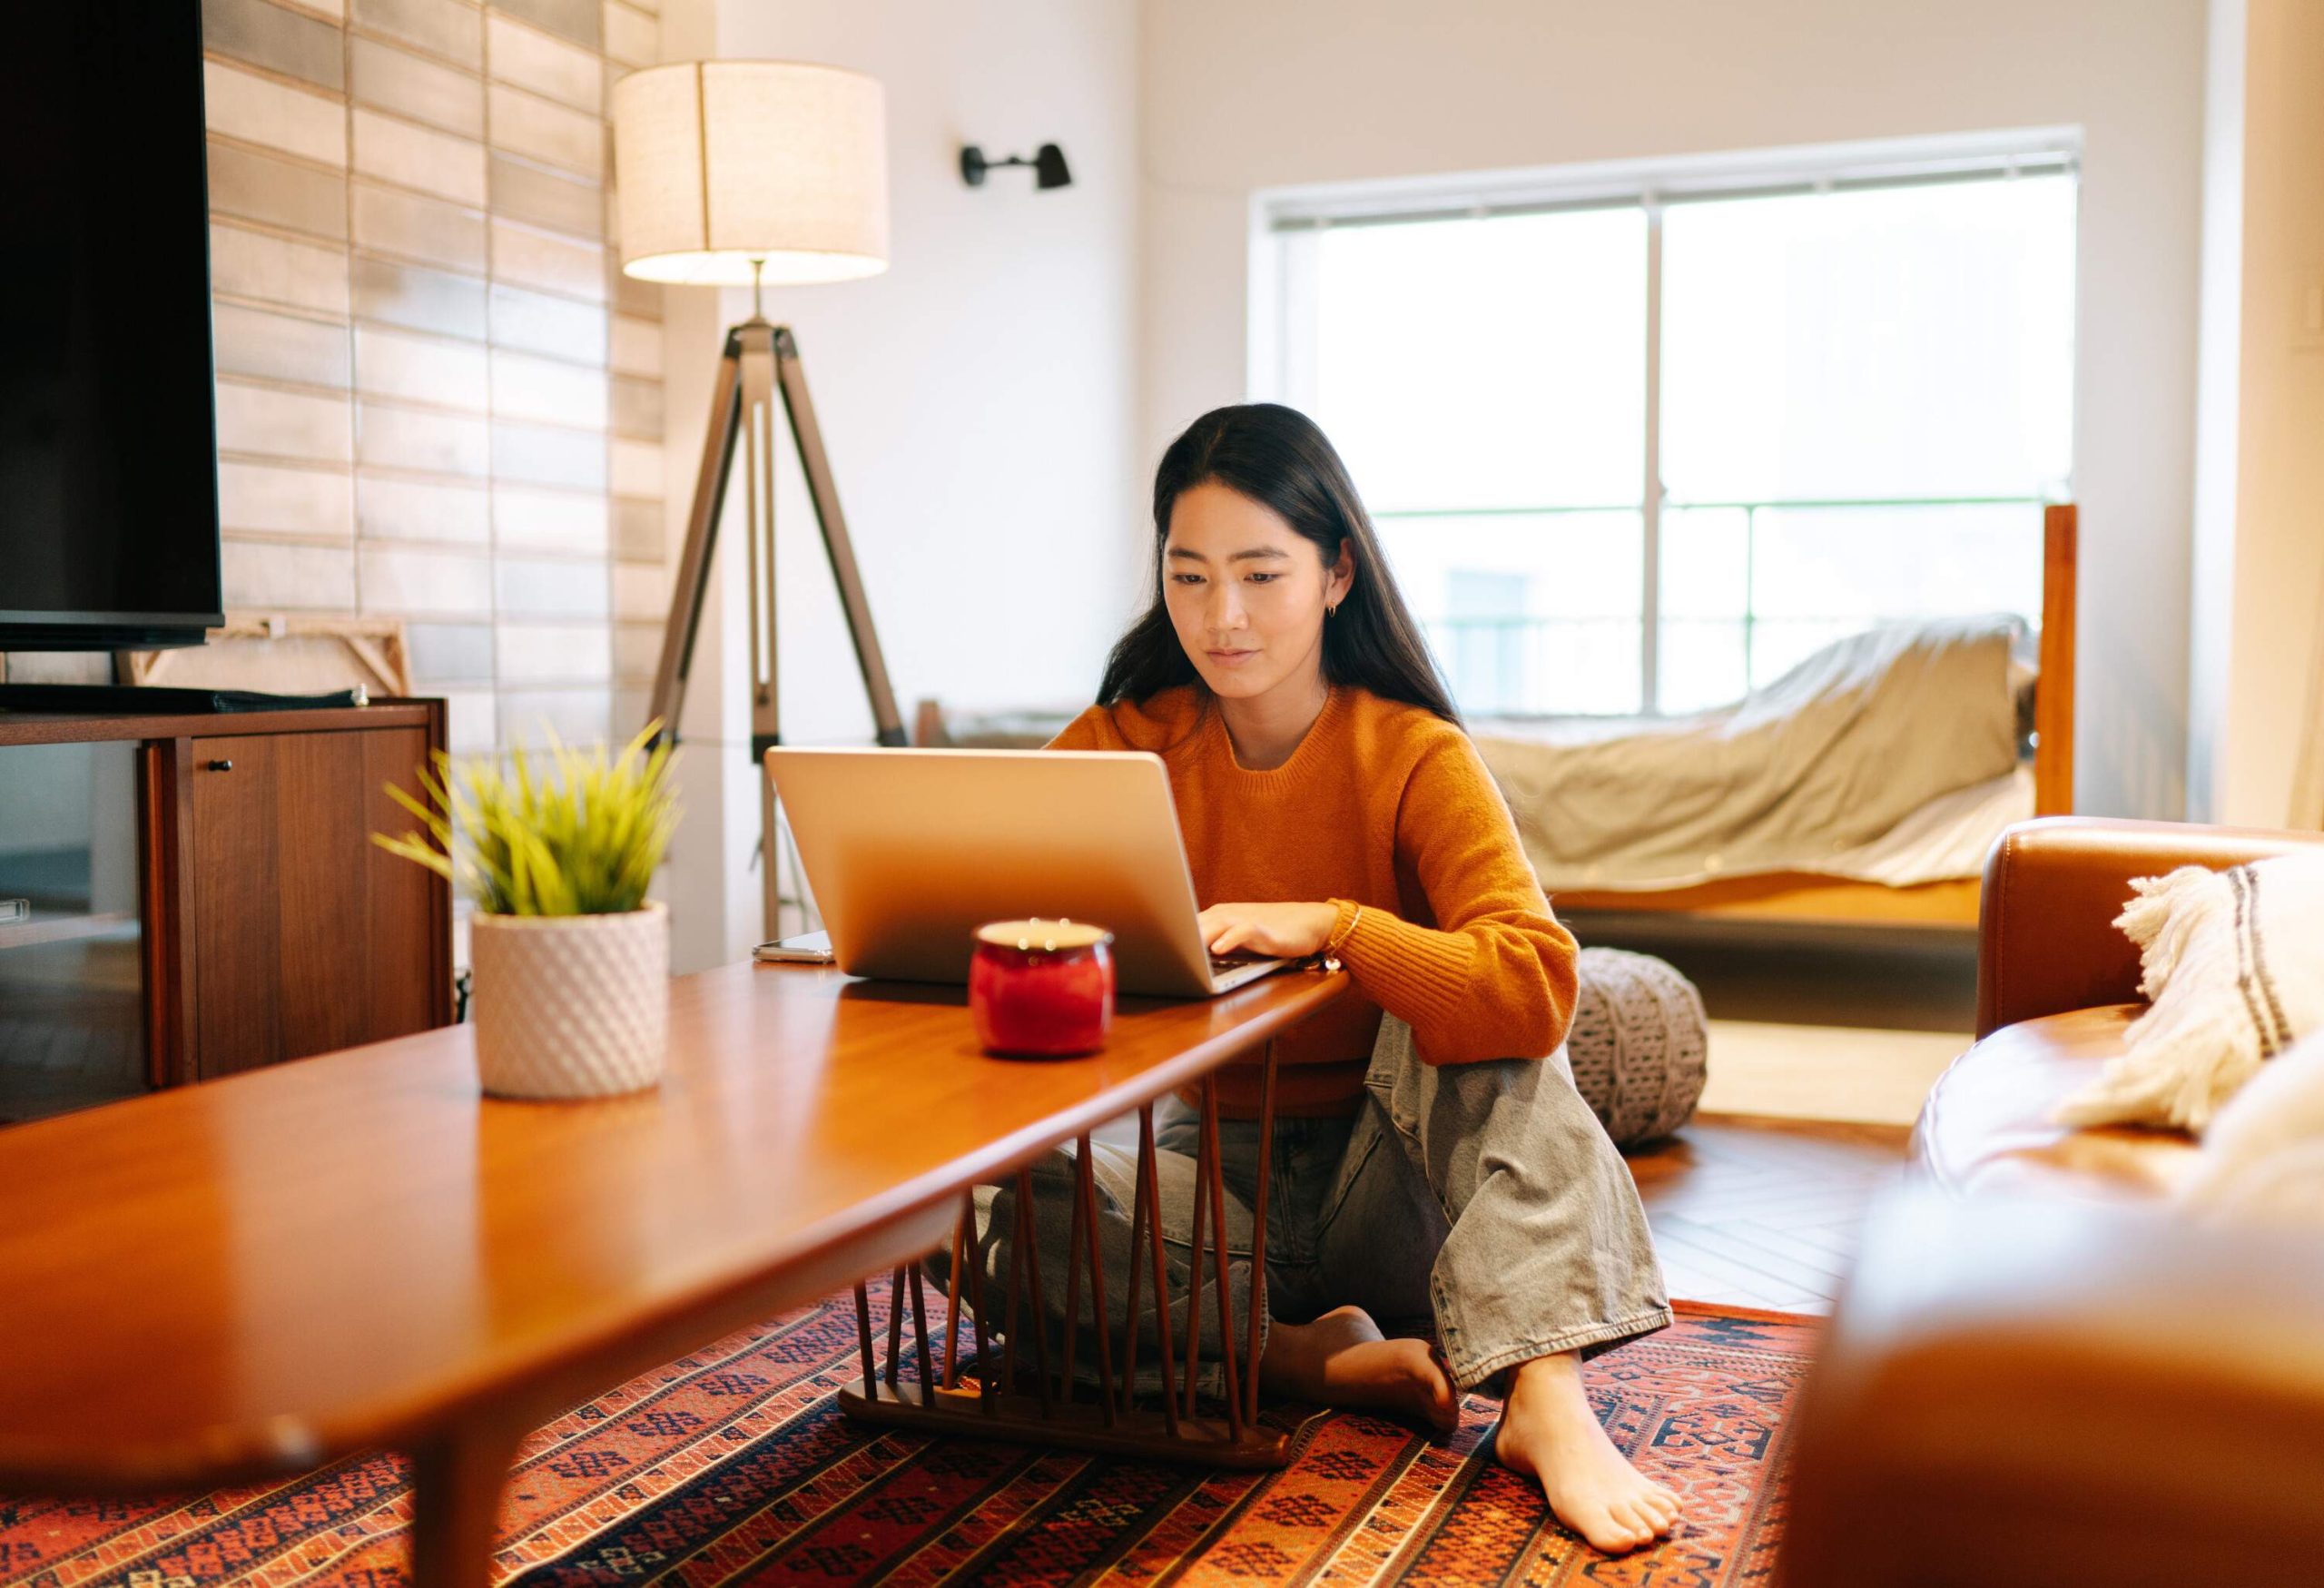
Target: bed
[[1906, 834], [1923, 870]]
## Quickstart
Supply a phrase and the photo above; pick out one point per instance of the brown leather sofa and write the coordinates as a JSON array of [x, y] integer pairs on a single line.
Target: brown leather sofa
[[2040, 1372]]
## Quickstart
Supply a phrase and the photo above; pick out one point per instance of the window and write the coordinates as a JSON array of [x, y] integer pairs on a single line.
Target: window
[[1863, 397]]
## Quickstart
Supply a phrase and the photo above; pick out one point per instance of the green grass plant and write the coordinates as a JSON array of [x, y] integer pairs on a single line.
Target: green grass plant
[[584, 842]]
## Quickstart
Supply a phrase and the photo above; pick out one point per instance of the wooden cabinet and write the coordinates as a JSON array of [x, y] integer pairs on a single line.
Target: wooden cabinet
[[308, 937], [273, 927]]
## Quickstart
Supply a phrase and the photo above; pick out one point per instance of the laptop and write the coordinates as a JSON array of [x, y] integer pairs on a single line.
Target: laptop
[[909, 851]]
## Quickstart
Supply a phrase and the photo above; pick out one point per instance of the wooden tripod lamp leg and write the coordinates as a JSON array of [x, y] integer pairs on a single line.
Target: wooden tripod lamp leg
[[686, 592], [824, 488], [761, 361], [756, 340]]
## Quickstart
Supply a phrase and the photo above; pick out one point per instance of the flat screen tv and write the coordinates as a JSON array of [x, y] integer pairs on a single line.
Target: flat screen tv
[[108, 430]]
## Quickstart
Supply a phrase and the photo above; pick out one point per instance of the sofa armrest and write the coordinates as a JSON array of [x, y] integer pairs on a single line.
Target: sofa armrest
[[2046, 940], [2023, 1391]]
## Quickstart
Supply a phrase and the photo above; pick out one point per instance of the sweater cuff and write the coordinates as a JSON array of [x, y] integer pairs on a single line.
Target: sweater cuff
[[1346, 913], [1418, 975]]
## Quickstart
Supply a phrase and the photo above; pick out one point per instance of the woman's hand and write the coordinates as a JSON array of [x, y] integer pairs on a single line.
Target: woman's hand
[[1275, 932]]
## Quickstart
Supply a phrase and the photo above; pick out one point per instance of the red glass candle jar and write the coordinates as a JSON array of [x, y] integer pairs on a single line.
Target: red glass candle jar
[[1042, 988]]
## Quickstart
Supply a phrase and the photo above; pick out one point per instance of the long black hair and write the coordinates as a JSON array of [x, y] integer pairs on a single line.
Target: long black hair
[[1279, 458]]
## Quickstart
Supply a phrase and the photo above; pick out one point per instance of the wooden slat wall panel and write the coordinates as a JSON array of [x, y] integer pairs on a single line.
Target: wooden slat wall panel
[[440, 402]]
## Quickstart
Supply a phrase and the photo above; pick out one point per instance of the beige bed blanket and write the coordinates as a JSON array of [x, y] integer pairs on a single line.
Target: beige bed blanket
[[1825, 760]]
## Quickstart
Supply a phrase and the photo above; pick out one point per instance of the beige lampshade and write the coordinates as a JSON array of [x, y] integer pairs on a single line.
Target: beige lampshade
[[719, 162]]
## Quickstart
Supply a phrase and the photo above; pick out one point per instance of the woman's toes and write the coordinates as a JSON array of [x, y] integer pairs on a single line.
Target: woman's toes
[[1600, 1528], [1443, 1401], [1431, 1399]]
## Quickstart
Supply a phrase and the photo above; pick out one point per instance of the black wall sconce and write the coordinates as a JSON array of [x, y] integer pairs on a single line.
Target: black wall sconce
[[1048, 164]]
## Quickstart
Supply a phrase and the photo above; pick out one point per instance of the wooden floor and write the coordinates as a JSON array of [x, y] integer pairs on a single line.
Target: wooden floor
[[1751, 1212]]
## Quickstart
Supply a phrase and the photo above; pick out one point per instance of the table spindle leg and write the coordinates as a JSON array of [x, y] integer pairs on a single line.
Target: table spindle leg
[[1028, 1237], [1086, 1202], [1137, 1260], [1072, 1281], [1008, 1357], [986, 1403], [952, 1283], [1259, 1238], [1150, 1188], [919, 1337], [1192, 1355], [895, 1324], [863, 1334], [1210, 1156]]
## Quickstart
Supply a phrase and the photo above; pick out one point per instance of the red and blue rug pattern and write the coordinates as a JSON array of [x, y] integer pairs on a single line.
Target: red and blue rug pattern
[[734, 1465]]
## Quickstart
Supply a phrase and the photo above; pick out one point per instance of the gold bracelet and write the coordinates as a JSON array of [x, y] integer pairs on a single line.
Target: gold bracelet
[[1328, 956]]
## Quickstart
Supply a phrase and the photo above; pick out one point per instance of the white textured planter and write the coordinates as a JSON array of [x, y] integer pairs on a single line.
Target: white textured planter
[[570, 1006]]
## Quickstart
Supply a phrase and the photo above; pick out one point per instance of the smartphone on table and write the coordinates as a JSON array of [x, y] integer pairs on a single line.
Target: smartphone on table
[[814, 948]]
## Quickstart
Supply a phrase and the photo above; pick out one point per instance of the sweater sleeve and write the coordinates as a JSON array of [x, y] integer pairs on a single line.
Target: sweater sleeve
[[1495, 979]]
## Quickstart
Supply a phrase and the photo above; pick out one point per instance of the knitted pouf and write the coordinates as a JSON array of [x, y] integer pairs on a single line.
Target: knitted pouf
[[1637, 1044]]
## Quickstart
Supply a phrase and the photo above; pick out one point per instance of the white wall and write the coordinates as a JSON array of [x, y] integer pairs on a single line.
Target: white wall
[[978, 399], [1236, 95], [2259, 573]]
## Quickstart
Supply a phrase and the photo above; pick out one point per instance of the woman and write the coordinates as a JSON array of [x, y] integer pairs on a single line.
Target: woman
[[1331, 804]]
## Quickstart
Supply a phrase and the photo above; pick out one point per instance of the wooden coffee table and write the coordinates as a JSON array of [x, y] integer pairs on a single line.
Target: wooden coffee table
[[254, 1277]]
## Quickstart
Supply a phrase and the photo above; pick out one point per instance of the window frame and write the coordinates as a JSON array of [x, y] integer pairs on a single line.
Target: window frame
[[1285, 222]]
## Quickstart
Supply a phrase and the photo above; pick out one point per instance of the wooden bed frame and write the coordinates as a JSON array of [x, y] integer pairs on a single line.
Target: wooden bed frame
[[1809, 899]]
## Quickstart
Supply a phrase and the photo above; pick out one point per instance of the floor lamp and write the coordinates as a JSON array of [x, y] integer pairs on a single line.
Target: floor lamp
[[755, 172]]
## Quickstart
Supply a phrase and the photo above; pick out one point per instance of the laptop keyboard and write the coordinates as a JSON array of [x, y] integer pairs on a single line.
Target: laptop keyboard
[[1236, 962]]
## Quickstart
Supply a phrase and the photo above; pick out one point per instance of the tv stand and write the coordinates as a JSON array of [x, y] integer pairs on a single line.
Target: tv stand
[[142, 699], [249, 917]]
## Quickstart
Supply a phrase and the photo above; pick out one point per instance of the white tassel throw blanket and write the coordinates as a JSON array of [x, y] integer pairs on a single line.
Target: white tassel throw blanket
[[2263, 1155], [2234, 963]]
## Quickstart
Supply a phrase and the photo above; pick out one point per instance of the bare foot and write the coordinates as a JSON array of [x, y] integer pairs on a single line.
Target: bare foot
[[1548, 1433], [1341, 1360]]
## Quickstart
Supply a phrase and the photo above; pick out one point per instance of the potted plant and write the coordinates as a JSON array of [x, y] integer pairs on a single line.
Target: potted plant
[[571, 960]]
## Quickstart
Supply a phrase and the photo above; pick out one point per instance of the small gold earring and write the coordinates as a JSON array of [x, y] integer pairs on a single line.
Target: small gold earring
[[1331, 610]]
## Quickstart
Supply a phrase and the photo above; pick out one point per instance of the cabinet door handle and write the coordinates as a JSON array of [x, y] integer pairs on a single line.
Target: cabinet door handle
[[219, 766]]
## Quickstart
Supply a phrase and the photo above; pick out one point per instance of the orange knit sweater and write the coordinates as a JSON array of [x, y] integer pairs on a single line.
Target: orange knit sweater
[[1382, 805]]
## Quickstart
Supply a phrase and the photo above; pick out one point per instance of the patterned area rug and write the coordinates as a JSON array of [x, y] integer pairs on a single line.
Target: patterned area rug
[[734, 1465]]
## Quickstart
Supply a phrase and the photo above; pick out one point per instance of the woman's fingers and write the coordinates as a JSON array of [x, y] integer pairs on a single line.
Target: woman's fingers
[[1262, 929], [1225, 928]]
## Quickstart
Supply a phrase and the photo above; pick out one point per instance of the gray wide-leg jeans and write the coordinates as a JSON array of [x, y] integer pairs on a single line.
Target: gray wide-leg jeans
[[1484, 1196]]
